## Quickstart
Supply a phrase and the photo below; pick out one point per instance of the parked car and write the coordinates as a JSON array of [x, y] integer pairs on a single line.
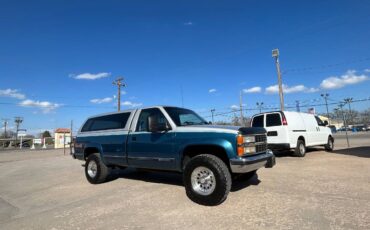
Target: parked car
[[294, 130], [173, 139]]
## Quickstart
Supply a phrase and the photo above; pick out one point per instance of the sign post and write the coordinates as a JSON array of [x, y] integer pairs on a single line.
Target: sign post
[[21, 134]]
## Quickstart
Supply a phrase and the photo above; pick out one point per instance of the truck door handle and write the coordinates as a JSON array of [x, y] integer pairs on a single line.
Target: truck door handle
[[133, 139]]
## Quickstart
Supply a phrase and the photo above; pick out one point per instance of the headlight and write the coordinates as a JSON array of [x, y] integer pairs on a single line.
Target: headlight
[[249, 150], [249, 139]]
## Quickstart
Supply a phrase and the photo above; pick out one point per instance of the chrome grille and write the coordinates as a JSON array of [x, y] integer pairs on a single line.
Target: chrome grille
[[261, 148], [261, 138]]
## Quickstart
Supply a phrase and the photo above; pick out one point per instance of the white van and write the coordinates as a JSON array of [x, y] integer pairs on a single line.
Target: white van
[[294, 130]]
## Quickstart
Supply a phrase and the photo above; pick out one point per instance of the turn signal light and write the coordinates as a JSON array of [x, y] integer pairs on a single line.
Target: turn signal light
[[240, 147]]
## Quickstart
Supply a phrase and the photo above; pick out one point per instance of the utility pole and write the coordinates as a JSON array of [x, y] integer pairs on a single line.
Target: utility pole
[[71, 140], [5, 122], [18, 121], [325, 96], [119, 82], [275, 54], [344, 122], [298, 106], [349, 101], [241, 108], [259, 105], [212, 111]]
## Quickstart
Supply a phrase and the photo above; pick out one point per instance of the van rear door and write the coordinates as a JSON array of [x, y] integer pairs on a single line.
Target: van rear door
[[276, 131]]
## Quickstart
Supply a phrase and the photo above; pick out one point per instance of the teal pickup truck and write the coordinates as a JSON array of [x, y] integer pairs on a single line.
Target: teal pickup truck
[[173, 139]]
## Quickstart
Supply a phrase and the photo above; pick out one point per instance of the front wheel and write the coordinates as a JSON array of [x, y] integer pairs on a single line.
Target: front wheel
[[207, 180], [330, 145]]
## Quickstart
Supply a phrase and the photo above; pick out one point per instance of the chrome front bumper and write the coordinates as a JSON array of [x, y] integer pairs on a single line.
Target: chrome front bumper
[[251, 163]]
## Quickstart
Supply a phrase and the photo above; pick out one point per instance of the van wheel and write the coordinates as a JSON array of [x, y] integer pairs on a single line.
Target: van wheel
[[207, 180], [330, 145], [300, 150], [95, 170]]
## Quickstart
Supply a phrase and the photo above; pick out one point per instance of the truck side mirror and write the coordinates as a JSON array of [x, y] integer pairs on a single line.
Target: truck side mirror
[[156, 126], [326, 123]]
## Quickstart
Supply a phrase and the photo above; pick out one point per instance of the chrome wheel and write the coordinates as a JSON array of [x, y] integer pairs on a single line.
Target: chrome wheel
[[203, 181], [92, 169]]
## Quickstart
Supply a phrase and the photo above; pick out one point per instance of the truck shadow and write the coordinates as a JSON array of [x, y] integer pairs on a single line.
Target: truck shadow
[[239, 185], [170, 178], [363, 151]]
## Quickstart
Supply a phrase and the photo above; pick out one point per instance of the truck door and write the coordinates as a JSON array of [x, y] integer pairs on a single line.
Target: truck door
[[148, 149]]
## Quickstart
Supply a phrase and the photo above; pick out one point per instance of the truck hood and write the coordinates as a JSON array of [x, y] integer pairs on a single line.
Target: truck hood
[[223, 128]]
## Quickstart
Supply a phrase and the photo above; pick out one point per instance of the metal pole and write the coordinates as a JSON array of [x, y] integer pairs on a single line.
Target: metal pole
[[64, 143], [345, 123], [275, 54], [71, 139], [241, 109], [212, 111], [325, 96], [298, 106]]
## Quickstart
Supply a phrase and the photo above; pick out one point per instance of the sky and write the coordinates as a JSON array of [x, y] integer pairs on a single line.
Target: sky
[[58, 59]]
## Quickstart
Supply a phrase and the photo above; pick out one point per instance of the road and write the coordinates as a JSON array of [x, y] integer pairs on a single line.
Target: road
[[47, 190]]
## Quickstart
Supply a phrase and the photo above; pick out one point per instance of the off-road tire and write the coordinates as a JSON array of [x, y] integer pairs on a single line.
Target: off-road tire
[[329, 147], [221, 174], [102, 171], [300, 150]]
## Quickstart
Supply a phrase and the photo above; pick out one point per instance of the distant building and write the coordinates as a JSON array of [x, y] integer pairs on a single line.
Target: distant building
[[62, 138]]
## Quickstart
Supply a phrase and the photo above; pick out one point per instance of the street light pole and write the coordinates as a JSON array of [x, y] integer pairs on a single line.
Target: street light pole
[[259, 105], [325, 96], [241, 108], [275, 54], [18, 121], [212, 111]]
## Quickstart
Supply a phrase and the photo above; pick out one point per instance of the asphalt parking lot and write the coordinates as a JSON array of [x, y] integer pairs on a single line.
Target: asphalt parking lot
[[47, 190]]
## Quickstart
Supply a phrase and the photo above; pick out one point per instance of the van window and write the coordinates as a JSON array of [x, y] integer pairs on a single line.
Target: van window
[[114, 121], [273, 120], [258, 121], [319, 121]]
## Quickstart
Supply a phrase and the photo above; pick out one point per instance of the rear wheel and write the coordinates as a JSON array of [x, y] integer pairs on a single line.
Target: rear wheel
[[207, 180], [300, 150], [95, 170], [330, 145]]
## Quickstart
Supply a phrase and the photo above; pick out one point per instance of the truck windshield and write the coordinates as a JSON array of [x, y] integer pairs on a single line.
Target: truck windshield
[[184, 117]]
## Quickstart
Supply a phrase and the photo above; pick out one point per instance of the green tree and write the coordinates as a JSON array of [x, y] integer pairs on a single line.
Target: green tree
[[46, 134]]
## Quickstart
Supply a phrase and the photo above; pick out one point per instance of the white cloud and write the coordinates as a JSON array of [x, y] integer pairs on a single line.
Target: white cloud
[[255, 89], [349, 78], [234, 107], [212, 90], [101, 100], [90, 76], [286, 89], [123, 92], [189, 23], [45, 106], [367, 70], [131, 104], [12, 93]]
